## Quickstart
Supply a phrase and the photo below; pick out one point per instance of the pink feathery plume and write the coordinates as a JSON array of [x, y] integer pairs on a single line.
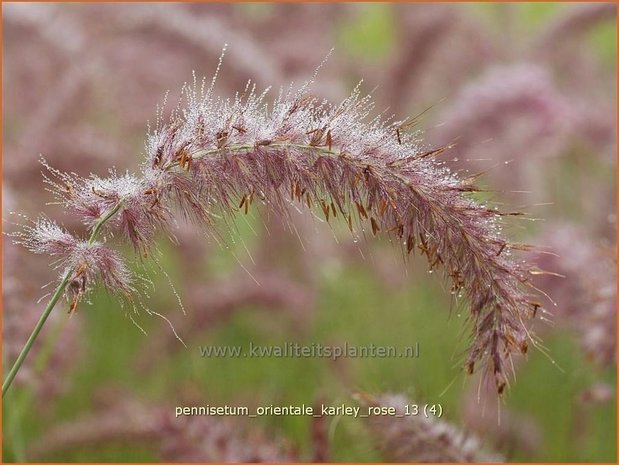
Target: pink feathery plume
[[216, 157]]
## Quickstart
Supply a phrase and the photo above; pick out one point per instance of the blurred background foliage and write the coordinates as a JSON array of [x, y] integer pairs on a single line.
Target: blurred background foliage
[[530, 86]]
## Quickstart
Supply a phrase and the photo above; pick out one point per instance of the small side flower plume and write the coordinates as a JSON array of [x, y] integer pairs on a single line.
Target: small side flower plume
[[83, 263], [415, 438], [140, 218]]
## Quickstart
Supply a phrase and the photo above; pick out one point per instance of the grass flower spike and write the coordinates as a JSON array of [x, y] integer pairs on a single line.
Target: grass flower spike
[[84, 262], [217, 156]]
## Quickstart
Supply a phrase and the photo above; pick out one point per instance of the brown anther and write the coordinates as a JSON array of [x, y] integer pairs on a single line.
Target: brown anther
[[500, 381], [315, 136], [536, 306], [184, 159], [361, 210], [158, 157], [501, 249], [297, 191], [80, 270], [325, 209], [382, 207], [70, 190], [155, 203], [432, 153], [423, 246], [524, 347], [222, 138], [73, 306], [410, 243], [470, 367], [375, 227]]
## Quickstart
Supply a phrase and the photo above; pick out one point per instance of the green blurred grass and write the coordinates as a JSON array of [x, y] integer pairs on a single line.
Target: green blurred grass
[[352, 308], [369, 34]]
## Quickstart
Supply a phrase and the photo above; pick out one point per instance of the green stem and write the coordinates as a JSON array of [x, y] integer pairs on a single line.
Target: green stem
[[52, 303], [102, 221], [35, 333]]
